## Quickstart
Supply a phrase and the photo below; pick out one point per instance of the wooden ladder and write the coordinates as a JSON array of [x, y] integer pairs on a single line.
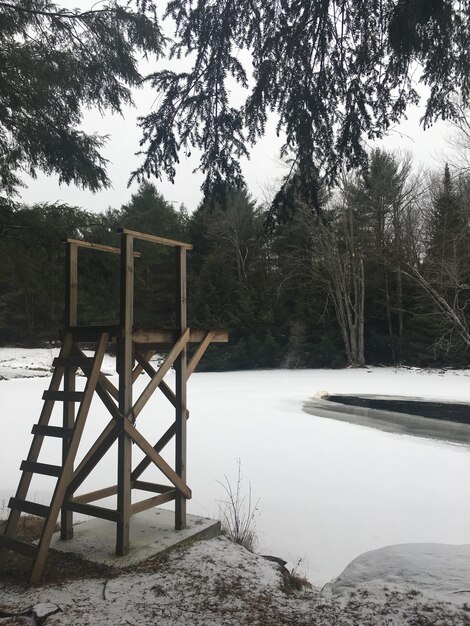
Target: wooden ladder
[[65, 366]]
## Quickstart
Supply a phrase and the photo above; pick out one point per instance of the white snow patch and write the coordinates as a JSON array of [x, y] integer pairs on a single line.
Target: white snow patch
[[439, 571]]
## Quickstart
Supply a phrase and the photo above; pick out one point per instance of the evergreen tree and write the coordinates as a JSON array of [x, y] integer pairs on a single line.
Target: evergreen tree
[[447, 222], [32, 258], [231, 283], [54, 63], [334, 72]]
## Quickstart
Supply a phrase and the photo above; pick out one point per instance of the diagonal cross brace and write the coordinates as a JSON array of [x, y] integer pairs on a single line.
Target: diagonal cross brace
[[151, 371], [162, 370], [107, 438], [158, 460]]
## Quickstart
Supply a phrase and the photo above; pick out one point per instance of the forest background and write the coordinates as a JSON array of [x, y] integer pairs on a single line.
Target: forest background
[[376, 271]]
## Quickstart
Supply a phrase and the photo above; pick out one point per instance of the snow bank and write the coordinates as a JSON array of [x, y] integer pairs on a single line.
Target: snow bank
[[439, 571], [217, 583]]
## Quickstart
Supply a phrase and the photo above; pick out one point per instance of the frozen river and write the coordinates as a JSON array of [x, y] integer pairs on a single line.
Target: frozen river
[[328, 490]]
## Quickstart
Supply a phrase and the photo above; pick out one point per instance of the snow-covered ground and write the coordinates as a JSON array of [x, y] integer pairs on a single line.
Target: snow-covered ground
[[218, 583], [328, 491]]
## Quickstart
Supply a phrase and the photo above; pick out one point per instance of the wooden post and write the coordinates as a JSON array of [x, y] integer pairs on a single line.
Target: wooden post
[[180, 388], [125, 364], [71, 285], [71, 319]]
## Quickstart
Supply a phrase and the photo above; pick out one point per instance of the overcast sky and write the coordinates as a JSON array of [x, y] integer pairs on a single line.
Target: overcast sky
[[262, 172]]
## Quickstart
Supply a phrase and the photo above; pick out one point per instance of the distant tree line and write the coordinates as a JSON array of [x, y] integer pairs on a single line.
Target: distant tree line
[[375, 272]]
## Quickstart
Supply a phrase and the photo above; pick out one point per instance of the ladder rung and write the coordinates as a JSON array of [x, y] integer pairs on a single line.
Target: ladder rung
[[21, 547], [41, 468], [63, 396], [51, 431], [33, 508], [73, 361]]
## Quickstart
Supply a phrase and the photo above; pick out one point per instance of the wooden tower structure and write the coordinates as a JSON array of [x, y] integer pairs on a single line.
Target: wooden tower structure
[[134, 349]]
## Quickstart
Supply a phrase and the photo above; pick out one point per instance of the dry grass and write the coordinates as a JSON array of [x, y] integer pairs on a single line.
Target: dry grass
[[238, 513]]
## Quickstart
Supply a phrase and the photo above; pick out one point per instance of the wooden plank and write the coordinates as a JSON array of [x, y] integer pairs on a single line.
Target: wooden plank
[[71, 285], [157, 459], [41, 468], [63, 396], [143, 485], [93, 511], [154, 239], [35, 447], [169, 336], [25, 506], [125, 367], [20, 547], [93, 496], [51, 431], [197, 356], [62, 483], [151, 371], [150, 503], [97, 246], [180, 387], [163, 369]]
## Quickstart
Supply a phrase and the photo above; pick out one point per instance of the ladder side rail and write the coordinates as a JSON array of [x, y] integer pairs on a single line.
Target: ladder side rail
[[61, 485], [35, 448]]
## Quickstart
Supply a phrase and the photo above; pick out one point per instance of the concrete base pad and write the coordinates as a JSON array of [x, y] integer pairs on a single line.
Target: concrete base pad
[[152, 532]]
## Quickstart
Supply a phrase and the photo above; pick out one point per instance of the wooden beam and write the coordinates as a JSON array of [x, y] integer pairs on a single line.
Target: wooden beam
[[156, 459], [142, 485], [197, 356], [163, 369], [155, 239], [170, 336], [96, 246], [149, 503], [93, 496], [93, 511], [124, 368], [71, 285], [180, 386]]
